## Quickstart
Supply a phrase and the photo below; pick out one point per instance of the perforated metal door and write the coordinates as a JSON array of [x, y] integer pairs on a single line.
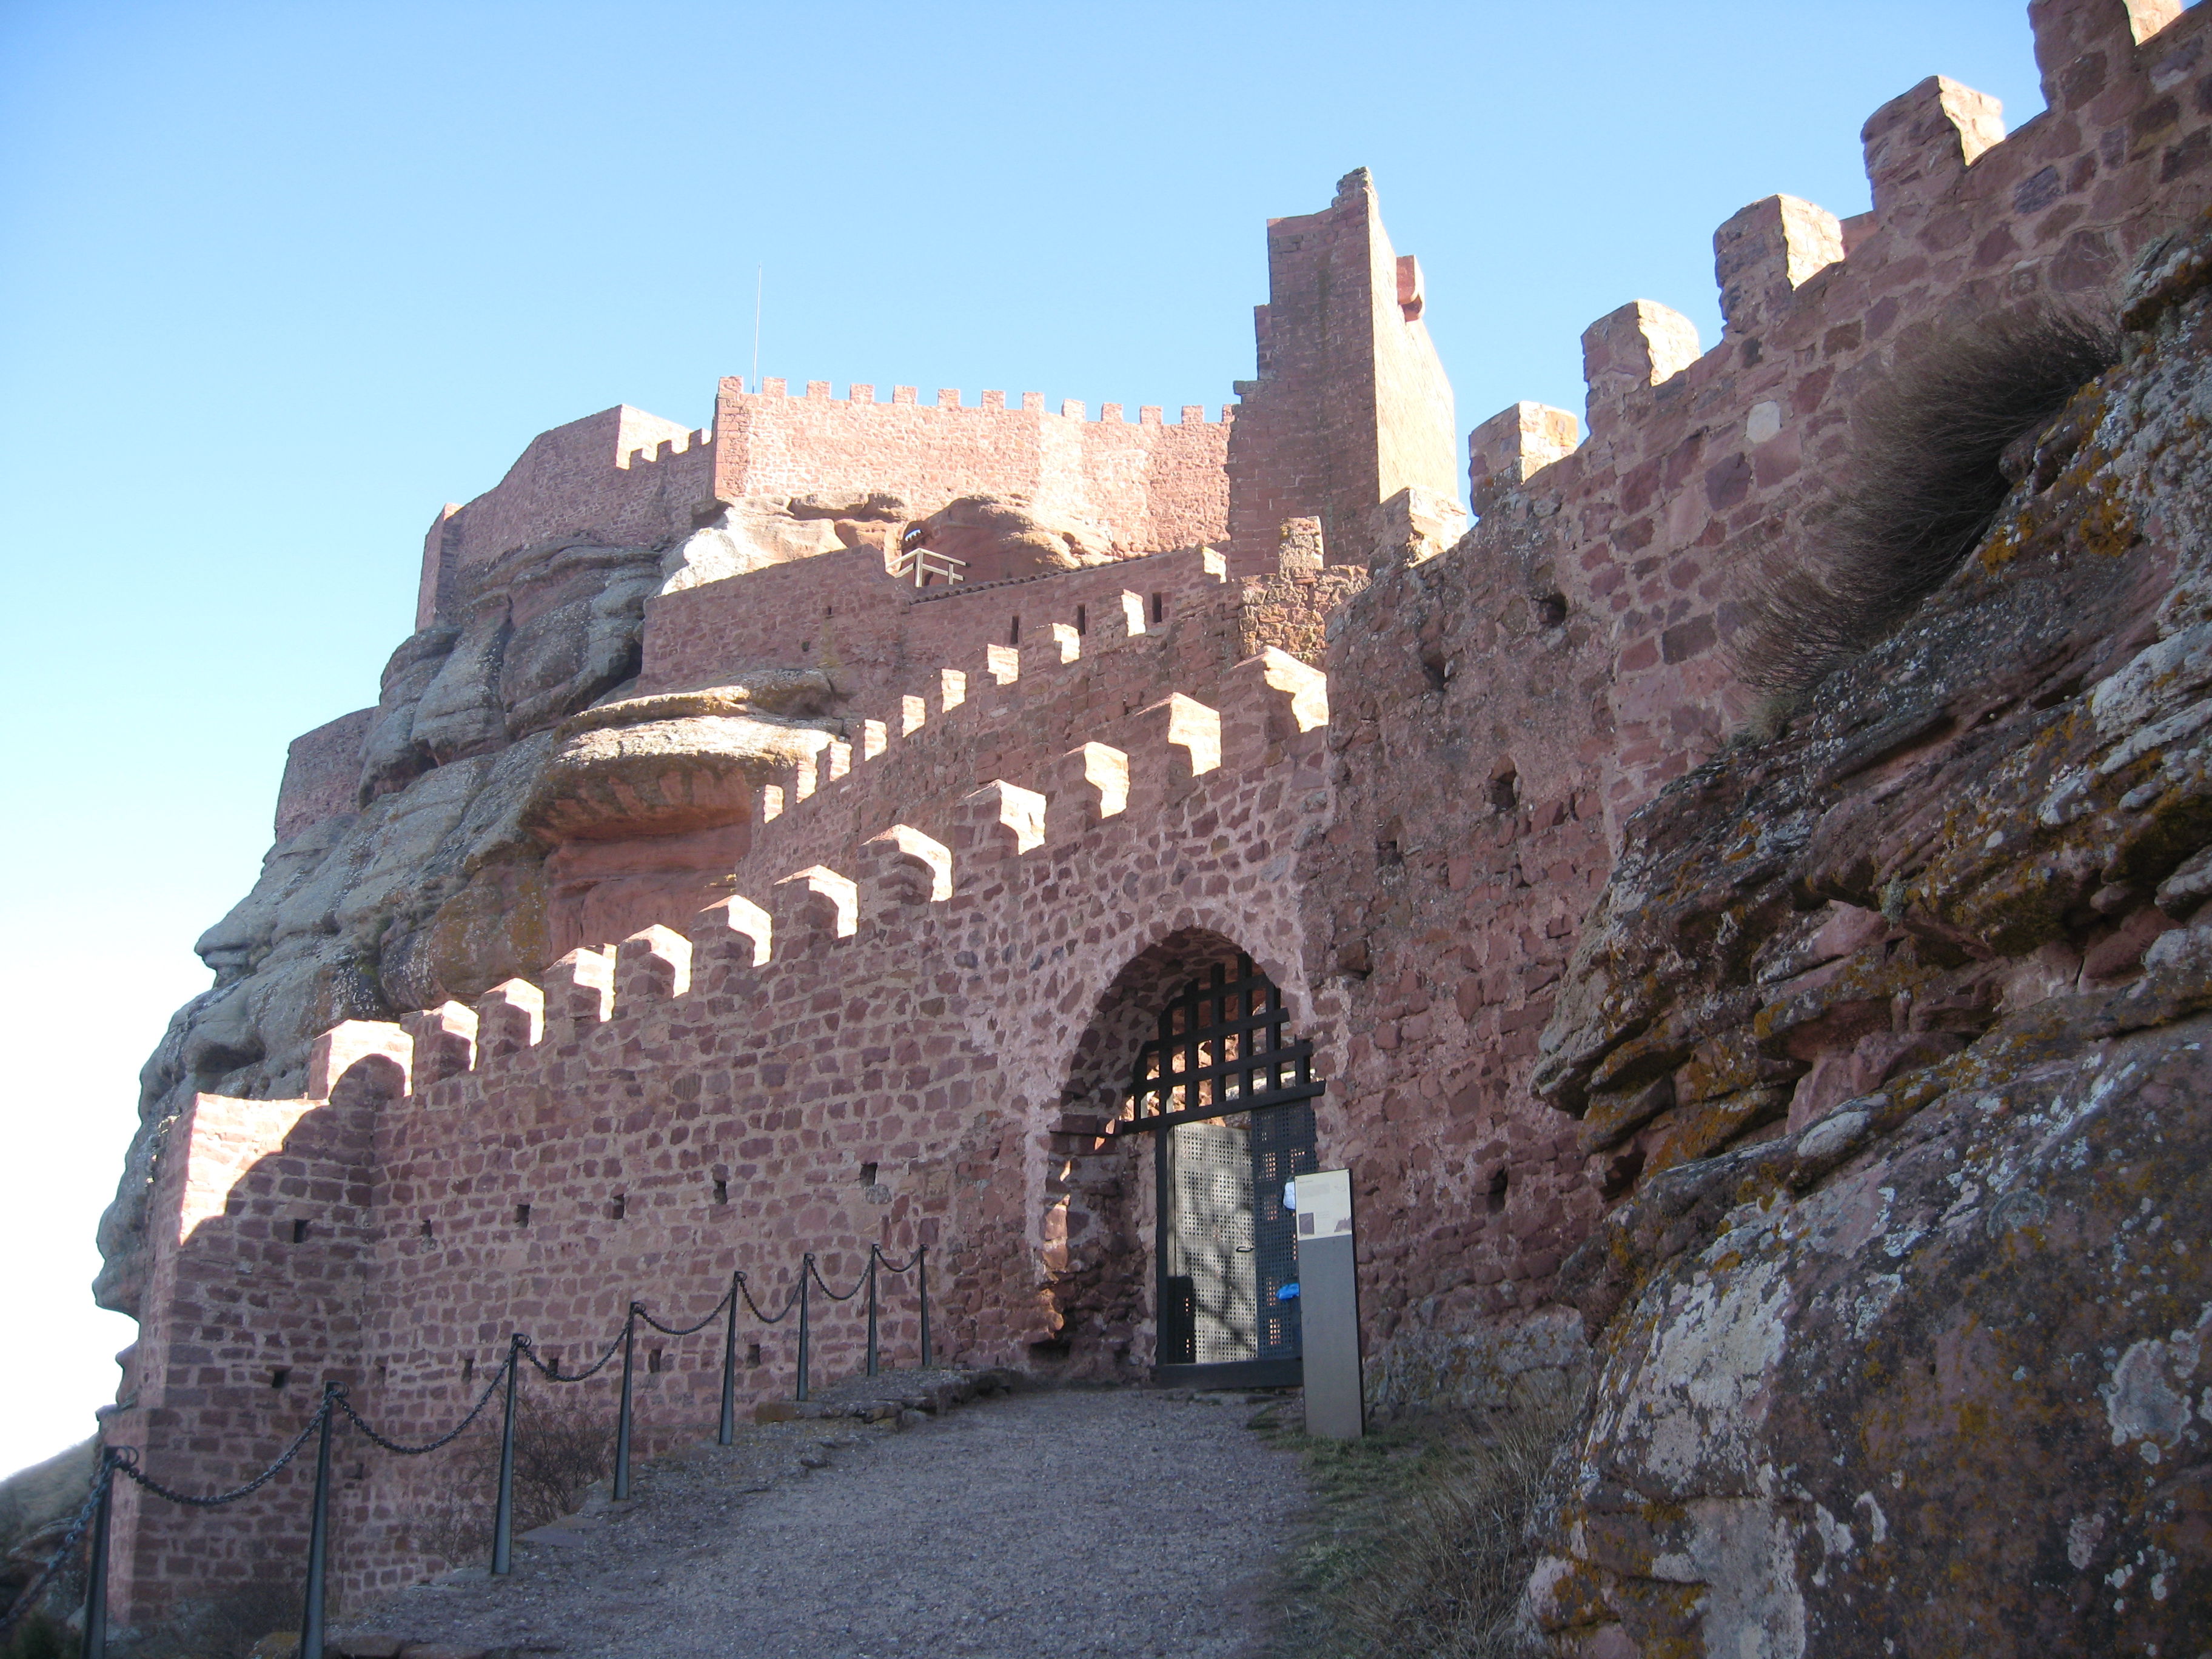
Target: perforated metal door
[[1209, 1236]]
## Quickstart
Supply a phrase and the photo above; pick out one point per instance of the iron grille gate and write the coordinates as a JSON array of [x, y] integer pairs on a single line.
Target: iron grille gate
[[1230, 1102]]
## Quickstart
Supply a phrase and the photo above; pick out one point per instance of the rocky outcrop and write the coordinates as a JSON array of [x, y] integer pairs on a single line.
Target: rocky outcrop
[[736, 537], [997, 540], [37, 1507], [1897, 1024]]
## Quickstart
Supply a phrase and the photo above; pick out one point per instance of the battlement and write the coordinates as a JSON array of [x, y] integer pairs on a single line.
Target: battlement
[[626, 478], [1002, 685], [1265, 709], [668, 449], [1689, 462], [861, 394]]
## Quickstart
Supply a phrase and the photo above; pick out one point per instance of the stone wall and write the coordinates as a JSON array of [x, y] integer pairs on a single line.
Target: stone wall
[[938, 1007], [952, 895], [1695, 466], [1939, 1324], [1147, 486], [625, 478], [1504, 708]]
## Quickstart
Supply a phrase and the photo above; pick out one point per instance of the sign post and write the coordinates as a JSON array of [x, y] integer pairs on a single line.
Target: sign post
[[1328, 1302]]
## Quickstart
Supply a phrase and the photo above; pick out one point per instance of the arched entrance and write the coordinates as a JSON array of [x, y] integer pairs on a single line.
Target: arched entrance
[[1226, 1095], [1205, 1094]]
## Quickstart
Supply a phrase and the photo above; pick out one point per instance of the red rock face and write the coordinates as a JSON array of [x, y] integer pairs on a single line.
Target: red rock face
[[1944, 1324]]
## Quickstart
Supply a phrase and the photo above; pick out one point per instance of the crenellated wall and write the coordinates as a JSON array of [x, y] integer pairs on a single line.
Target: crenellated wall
[[1695, 465], [625, 478], [933, 1006], [1148, 486], [1502, 710]]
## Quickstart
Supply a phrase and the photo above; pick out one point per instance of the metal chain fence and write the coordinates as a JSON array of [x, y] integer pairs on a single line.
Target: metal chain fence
[[93, 1519]]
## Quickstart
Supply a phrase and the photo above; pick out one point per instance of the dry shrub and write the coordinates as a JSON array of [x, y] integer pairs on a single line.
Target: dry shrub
[[40, 1635], [227, 1623], [1925, 481], [562, 1447], [1425, 1536]]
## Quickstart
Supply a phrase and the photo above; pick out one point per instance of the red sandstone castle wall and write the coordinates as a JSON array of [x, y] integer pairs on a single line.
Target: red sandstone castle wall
[[1414, 880], [933, 1008], [878, 637], [1695, 466], [1150, 486], [624, 478], [621, 477], [1575, 642], [1351, 404], [322, 773]]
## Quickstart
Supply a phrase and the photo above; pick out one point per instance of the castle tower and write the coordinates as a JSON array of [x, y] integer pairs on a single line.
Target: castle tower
[[1352, 404]]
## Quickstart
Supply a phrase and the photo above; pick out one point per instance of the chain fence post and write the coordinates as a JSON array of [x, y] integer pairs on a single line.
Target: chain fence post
[[806, 1273], [922, 1269], [621, 1420], [873, 1253], [95, 1575], [503, 1526], [727, 1432], [311, 1620]]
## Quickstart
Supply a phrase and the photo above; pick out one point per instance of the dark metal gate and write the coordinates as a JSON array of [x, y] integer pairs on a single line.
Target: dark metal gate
[[1229, 1099]]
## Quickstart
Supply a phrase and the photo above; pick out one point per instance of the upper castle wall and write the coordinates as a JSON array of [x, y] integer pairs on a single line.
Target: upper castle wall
[[1150, 485], [626, 478], [621, 477]]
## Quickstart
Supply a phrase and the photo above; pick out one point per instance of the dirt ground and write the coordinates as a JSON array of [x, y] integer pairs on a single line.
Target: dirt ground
[[1071, 1523]]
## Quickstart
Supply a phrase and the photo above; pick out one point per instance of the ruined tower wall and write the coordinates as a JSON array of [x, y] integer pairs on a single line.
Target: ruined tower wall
[[1351, 404]]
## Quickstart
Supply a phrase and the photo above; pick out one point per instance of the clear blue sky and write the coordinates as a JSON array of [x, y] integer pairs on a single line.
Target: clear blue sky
[[276, 281]]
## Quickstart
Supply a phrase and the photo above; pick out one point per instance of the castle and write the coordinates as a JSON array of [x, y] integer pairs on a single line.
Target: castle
[[806, 834]]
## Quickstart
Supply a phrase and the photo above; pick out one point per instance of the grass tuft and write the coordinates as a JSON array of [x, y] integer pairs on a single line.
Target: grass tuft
[[1424, 1537], [1926, 478]]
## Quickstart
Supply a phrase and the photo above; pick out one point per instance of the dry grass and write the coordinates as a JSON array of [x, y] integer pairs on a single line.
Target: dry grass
[[1925, 481], [1423, 1542], [562, 1447], [227, 1624], [39, 1635]]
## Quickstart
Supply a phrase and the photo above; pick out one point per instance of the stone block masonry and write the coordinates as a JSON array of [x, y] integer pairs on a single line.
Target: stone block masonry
[[1149, 486], [1696, 466], [875, 1055], [1351, 404]]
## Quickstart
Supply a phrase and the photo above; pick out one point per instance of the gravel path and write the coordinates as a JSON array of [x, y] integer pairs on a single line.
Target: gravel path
[[1077, 1523]]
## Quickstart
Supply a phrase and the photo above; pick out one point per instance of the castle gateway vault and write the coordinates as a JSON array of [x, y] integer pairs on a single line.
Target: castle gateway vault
[[1225, 1096]]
